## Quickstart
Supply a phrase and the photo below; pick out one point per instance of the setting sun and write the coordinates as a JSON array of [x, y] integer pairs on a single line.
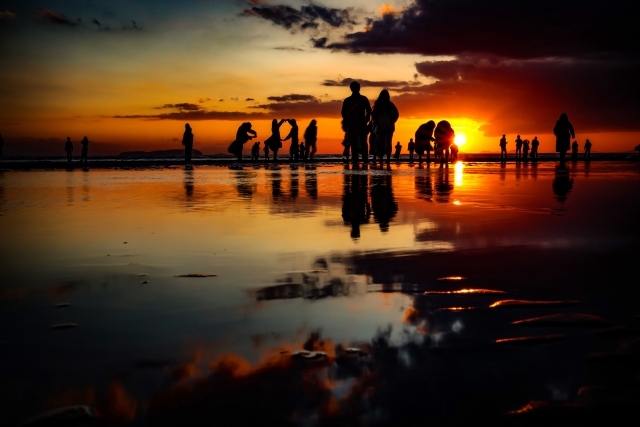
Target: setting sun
[[460, 139]]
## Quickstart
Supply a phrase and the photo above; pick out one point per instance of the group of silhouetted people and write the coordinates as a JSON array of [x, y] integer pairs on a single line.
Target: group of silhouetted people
[[370, 131], [298, 150], [84, 153], [564, 132]]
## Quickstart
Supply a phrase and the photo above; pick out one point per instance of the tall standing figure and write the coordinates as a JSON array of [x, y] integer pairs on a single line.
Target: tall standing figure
[[411, 147], [68, 148], [310, 139], [274, 142], [563, 130], [85, 149], [187, 141], [587, 150], [534, 148], [356, 111], [294, 148], [243, 135], [384, 117], [444, 136], [424, 136], [503, 147]]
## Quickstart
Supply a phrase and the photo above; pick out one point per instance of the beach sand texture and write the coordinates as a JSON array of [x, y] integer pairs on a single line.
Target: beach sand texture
[[321, 295]]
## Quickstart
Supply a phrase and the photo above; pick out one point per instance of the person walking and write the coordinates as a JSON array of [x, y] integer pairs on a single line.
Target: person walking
[[310, 139], [587, 150], [411, 147], [534, 148], [384, 116], [563, 130]]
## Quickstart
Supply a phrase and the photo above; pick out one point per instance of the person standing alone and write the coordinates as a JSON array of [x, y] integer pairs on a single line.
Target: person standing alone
[[187, 141], [68, 148], [85, 149]]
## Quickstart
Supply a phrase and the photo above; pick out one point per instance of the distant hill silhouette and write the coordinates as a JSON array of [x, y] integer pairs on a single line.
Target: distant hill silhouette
[[158, 154]]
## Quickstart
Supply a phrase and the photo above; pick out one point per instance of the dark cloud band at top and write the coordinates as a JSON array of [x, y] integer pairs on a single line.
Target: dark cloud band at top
[[47, 15], [387, 84], [507, 28], [292, 97], [307, 17]]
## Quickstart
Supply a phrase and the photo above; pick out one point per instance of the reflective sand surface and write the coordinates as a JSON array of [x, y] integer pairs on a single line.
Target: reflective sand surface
[[93, 309]]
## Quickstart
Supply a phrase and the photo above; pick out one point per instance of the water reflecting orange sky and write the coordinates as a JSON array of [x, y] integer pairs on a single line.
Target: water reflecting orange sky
[[288, 250]]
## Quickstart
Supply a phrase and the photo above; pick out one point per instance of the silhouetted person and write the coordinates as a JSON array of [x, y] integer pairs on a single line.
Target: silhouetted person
[[303, 151], [503, 147], [243, 134], [187, 141], [563, 130], [525, 149], [274, 141], [266, 151], [587, 150], [294, 148], [424, 136], [562, 183], [255, 151], [411, 147], [310, 139], [574, 150], [444, 136], [1, 146], [384, 117], [68, 148], [518, 147], [454, 151], [356, 111], [398, 147], [85, 149], [534, 148]]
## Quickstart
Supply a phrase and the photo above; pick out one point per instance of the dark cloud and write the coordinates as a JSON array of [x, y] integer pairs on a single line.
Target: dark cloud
[[297, 49], [7, 14], [387, 84], [198, 115], [203, 100], [185, 106], [133, 26], [319, 42], [304, 109], [292, 97], [514, 96], [307, 17], [507, 28], [249, 99], [47, 15]]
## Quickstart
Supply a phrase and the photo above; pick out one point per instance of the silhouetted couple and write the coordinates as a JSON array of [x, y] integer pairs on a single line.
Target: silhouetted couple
[[442, 136]]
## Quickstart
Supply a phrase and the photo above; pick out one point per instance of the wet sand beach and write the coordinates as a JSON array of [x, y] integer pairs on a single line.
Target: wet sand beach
[[320, 294]]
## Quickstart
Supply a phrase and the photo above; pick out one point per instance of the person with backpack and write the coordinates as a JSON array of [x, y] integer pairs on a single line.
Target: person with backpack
[[384, 116]]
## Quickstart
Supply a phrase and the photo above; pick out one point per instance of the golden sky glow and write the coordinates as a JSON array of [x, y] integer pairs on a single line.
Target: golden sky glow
[[130, 74]]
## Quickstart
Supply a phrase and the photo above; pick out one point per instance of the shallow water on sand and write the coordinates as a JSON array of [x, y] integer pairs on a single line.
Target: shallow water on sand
[[287, 257]]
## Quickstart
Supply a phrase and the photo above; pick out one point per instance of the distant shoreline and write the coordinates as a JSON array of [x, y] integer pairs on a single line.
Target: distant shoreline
[[128, 163]]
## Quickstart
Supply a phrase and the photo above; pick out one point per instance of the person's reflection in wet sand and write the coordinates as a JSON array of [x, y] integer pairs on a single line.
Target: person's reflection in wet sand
[[443, 186], [3, 201], [294, 182], [70, 185], [356, 209], [562, 183], [503, 171], [245, 181], [188, 183], [534, 170], [86, 196], [518, 170], [383, 203], [276, 182], [423, 184], [311, 182], [587, 168]]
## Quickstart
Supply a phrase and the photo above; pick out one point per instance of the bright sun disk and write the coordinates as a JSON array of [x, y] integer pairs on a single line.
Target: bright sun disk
[[460, 139]]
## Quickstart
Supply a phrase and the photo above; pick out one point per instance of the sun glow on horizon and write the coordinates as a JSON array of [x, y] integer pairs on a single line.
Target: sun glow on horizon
[[460, 139]]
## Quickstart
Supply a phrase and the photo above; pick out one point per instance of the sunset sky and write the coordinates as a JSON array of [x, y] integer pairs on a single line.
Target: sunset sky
[[130, 73]]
